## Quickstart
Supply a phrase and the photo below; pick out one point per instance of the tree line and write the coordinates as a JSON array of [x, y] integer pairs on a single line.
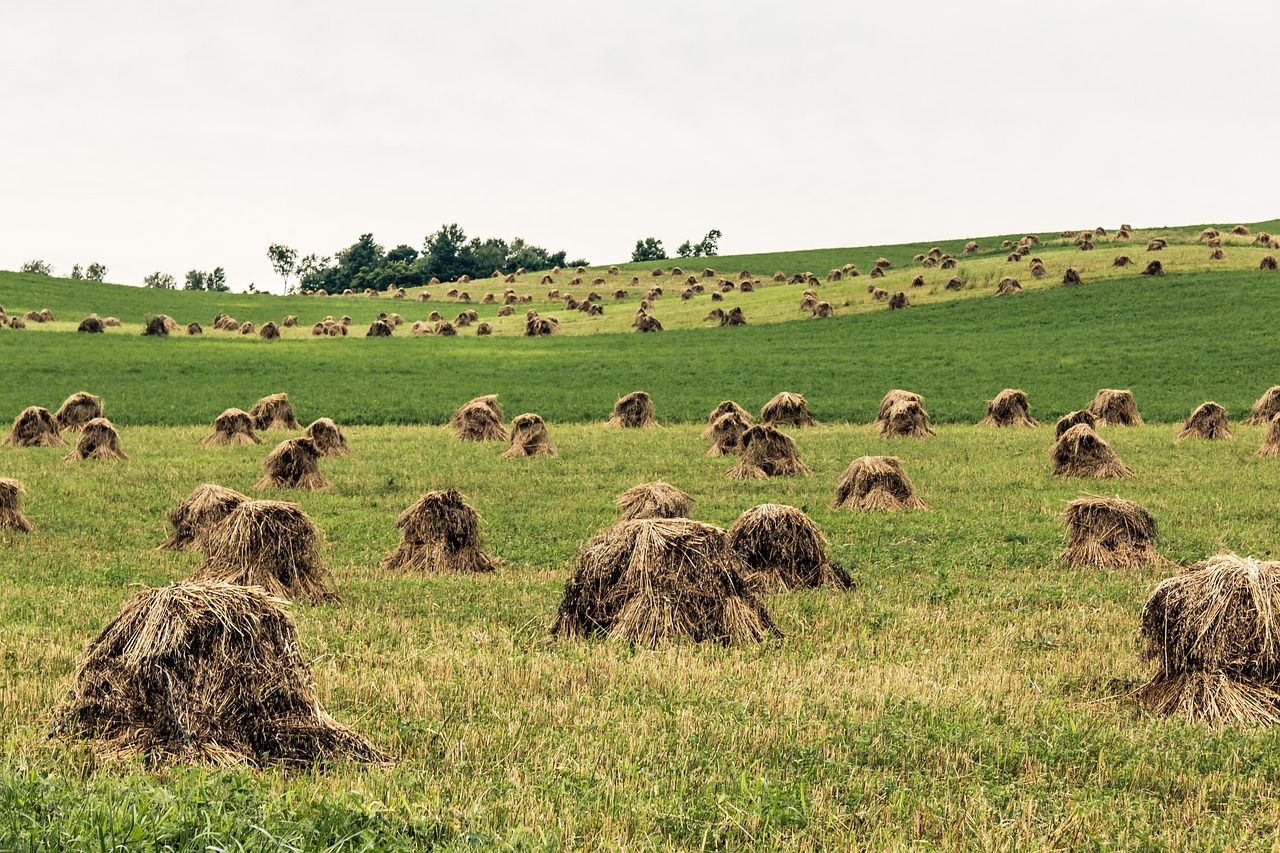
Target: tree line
[[650, 248], [446, 255]]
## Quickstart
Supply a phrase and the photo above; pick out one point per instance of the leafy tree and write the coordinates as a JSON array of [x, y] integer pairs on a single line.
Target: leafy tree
[[684, 250], [162, 281], [96, 272], [648, 249], [37, 267], [579, 262], [443, 253], [402, 254], [217, 280], [195, 280], [710, 244], [77, 272], [284, 260]]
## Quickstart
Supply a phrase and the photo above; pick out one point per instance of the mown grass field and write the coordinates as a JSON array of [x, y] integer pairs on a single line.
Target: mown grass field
[[970, 692]]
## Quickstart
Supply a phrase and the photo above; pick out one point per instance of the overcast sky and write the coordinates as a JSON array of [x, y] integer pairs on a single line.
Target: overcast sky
[[172, 135]]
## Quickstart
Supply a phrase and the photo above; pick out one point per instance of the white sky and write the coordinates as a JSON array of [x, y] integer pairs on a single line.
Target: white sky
[[172, 135]]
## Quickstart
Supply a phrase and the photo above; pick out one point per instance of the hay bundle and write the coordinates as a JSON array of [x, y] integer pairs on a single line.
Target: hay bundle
[[734, 317], [440, 532], [723, 408], [766, 452], [327, 438], [17, 323], [1010, 408], [290, 321], [424, 296], [633, 411], [33, 317], [198, 515], [779, 277], [823, 309], [194, 329], [1217, 255], [379, 329], [654, 500], [1208, 420], [877, 483], [918, 281], [782, 548], [890, 399], [77, 410], [1212, 632], [657, 272], [1071, 278], [787, 409], [954, 283], [246, 328], [484, 329], [269, 331], [223, 323], [947, 263], [1266, 407], [747, 286], [1122, 234], [1037, 269], [91, 325], [1122, 261], [906, 418], [205, 672], [1262, 239], [1156, 245], [462, 320], [506, 311], [155, 327], [435, 317], [899, 301], [420, 328], [1087, 246], [1081, 452], [233, 426], [271, 544], [447, 330], [98, 440], [1268, 263], [274, 412], [1070, 419], [34, 427], [725, 432], [1271, 444], [648, 323], [11, 517], [877, 272], [930, 262], [651, 580], [1240, 231], [1115, 408], [835, 275], [529, 437], [970, 247], [1109, 533], [717, 297], [1009, 286], [292, 465], [1209, 234], [1153, 268]]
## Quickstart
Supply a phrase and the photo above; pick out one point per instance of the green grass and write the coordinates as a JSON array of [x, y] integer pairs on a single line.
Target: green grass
[[968, 693], [1164, 338]]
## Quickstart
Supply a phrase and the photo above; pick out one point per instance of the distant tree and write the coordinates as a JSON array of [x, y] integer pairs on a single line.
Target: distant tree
[[253, 288], [648, 249], [284, 260], [579, 262], [77, 272], [37, 268], [710, 244], [96, 272], [163, 281], [684, 250], [217, 280], [402, 254], [195, 280], [443, 253]]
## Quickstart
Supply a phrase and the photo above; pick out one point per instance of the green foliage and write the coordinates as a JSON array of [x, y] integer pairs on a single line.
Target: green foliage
[[214, 280], [96, 272], [164, 281], [36, 267], [648, 249], [77, 272], [284, 260]]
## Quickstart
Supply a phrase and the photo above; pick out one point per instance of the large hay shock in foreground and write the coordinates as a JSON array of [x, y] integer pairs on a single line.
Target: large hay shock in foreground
[[766, 452], [877, 483], [1213, 633], [1081, 452], [274, 412], [726, 433], [1115, 408], [205, 672], [327, 438], [11, 517], [233, 426], [1267, 406], [633, 411], [479, 420], [77, 410], [98, 440], [787, 409], [654, 500], [783, 549], [293, 464], [644, 582], [34, 427], [906, 418], [440, 533], [1271, 444], [1010, 408], [199, 514], [270, 544], [1109, 533]]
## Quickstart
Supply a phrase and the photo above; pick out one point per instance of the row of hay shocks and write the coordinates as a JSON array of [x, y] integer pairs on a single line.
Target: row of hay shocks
[[1210, 629]]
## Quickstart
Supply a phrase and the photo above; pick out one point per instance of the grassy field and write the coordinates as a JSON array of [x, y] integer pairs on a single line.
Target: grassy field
[[970, 692]]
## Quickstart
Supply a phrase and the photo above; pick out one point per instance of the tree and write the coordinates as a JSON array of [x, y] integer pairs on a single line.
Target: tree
[[402, 254], [217, 280], [710, 244], [37, 267], [443, 253], [162, 281], [77, 273], [648, 249], [684, 250], [284, 260], [195, 280], [96, 272]]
